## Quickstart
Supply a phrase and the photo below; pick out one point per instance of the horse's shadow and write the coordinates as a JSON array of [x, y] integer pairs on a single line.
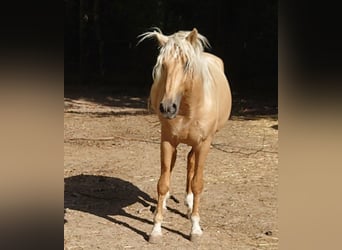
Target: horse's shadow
[[107, 197]]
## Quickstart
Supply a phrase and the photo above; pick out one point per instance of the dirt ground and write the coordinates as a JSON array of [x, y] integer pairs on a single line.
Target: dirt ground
[[111, 168]]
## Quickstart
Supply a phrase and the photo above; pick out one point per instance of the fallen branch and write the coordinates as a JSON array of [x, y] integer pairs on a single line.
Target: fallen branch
[[243, 153], [255, 151]]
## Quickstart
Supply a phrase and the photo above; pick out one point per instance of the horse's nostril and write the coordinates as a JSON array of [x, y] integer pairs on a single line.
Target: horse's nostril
[[173, 108], [161, 108], [168, 108]]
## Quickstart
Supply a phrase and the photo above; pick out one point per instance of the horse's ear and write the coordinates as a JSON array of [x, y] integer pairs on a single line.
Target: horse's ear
[[192, 37], [162, 39]]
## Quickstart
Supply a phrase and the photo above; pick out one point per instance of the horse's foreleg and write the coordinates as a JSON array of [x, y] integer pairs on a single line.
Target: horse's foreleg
[[168, 157], [189, 199], [173, 161], [201, 152]]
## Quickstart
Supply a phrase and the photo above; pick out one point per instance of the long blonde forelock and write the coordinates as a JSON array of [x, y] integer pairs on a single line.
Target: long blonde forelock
[[177, 45]]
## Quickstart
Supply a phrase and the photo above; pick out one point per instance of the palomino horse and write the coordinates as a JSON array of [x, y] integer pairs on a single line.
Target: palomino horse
[[192, 98]]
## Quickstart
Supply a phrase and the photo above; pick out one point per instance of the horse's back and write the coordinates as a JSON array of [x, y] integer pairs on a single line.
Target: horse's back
[[221, 90]]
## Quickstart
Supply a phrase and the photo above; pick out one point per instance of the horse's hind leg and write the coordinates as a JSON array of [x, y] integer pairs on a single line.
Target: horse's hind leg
[[168, 157], [201, 152], [189, 199]]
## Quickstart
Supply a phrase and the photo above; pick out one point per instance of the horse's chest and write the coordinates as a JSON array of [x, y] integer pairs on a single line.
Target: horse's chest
[[190, 134]]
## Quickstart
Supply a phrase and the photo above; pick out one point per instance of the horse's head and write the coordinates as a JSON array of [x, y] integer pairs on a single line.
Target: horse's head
[[174, 70]]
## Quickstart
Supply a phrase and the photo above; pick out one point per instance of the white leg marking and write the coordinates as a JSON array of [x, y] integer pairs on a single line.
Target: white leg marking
[[167, 196], [189, 201], [196, 229], [156, 231]]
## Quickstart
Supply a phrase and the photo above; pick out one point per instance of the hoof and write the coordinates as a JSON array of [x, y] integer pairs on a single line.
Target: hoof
[[155, 238], [195, 238]]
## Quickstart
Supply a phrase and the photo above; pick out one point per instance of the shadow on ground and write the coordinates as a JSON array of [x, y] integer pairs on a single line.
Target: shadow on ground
[[246, 106], [107, 197], [108, 96]]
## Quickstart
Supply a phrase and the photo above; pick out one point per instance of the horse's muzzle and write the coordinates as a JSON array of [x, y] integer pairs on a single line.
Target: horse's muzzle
[[168, 110]]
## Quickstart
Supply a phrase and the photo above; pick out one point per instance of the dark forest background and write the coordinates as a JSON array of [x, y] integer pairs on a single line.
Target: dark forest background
[[101, 37]]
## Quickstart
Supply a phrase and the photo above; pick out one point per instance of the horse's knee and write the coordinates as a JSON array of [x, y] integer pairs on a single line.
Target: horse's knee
[[163, 188], [197, 185], [197, 191]]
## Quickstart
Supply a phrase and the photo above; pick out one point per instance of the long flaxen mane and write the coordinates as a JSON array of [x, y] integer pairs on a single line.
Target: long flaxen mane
[[176, 45]]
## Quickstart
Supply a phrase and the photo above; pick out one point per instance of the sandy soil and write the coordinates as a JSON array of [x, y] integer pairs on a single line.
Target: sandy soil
[[111, 167]]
